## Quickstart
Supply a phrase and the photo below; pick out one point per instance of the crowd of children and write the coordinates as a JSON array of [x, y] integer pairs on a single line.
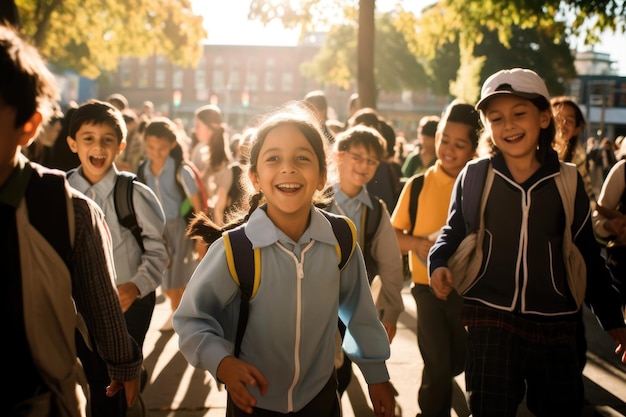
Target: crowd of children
[[513, 326]]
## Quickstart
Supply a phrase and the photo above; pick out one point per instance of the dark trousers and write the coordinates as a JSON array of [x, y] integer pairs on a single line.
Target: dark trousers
[[326, 403], [502, 367], [138, 318], [442, 340]]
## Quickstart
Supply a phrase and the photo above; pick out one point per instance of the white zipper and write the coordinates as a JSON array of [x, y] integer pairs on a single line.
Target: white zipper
[[298, 330]]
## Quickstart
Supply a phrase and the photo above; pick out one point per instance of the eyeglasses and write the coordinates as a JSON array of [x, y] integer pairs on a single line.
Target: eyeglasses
[[358, 159]]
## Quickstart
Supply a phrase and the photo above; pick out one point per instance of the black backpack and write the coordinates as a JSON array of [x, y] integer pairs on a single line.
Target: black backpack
[[123, 200], [244, 263], [371, 220]]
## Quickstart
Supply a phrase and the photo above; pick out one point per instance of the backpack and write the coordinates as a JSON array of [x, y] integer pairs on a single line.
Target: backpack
[[244, 263], [123, 201], [371, 219], [473, 204], [48, 197], [186, 208], [417, 182]]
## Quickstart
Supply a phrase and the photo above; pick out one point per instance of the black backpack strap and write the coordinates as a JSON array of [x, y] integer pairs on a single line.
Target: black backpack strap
[[372, 219], [473, 184], [46, 200], [141, 176], [124, 207], [345, 232], [244, 264], [417, 182]]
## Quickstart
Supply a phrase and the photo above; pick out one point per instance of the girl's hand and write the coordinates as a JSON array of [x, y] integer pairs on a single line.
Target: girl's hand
[[236, 374], [441, 282], [382, 399]]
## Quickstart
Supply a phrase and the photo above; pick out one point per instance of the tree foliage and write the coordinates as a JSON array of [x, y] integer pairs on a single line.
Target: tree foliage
[[457, 42], [89, 36], [395, 68]]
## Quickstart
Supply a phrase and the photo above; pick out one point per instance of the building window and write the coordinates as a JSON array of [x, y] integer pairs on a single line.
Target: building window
[[234, 82], [270, 68], [200, 75], [219, 82], [144, 74], [286, 83], [177, 78], [252, 82], [160, 72]]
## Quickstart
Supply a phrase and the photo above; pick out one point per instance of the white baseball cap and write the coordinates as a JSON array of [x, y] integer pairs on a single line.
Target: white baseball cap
[[520, 82]]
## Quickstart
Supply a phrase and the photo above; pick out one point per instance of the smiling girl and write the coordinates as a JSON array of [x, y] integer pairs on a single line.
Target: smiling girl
[[286, 364]]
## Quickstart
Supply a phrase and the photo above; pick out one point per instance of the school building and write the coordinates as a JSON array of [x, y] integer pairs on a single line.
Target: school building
[[248, 80]]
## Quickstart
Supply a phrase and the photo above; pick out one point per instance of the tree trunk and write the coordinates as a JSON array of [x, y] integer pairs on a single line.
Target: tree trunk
[[366, 80]]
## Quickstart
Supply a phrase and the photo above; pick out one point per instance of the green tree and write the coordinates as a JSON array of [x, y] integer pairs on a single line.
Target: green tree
[[309, 14], [446, 23], [466, 23], [396, 69], [89, 36]]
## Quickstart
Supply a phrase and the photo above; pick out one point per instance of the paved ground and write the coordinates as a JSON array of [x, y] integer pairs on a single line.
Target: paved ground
[[178, 390]]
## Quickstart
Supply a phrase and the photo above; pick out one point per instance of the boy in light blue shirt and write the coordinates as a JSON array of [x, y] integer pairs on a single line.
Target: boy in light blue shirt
[[97, 134]]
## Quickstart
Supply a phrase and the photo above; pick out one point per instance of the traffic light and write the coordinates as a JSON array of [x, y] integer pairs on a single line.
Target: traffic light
[[177, 97], [245, 99]]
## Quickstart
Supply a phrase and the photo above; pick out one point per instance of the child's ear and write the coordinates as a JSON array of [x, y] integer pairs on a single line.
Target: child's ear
[[254, 179], [322, 182], [544, 118], [338, 156], [121, 147], [71, 142], [30, 129]]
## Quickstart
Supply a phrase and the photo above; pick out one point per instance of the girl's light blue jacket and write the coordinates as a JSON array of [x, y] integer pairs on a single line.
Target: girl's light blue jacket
[[293, 317]]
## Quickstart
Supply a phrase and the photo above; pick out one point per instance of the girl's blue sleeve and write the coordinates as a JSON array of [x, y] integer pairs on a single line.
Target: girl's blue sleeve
[[208, 307], [365, 341]]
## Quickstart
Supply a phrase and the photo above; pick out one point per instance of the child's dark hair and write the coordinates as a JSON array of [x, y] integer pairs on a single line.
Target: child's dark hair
[[361, 135], [570, 143], [98, 112], [26, 84], [546, 135], [201, 227], [428, 126], [366, 116], [460, 112], [299, 115], [164, 128], [219, 152]]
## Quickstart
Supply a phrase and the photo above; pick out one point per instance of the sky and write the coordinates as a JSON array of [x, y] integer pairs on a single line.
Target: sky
[[226, 24]]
